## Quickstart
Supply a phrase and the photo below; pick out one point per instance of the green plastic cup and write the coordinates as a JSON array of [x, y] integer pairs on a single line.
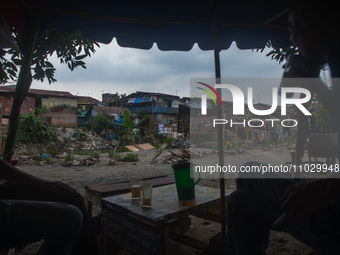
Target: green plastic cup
[[184, 184]]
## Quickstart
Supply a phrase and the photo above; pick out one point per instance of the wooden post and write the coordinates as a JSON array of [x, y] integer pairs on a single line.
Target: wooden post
[[268, 136], [1, 147], [247, 131], [236, 138], [252, 139], [282, 134], [247, 139]]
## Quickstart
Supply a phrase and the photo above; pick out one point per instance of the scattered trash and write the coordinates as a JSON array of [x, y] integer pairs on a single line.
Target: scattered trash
[[184, 154]]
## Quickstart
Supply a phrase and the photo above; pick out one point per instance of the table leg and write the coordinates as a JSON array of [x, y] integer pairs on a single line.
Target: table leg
[[110, 248], [89, 207]]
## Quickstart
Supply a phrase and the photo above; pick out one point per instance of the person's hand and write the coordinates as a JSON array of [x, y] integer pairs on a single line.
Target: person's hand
[[300, 200]]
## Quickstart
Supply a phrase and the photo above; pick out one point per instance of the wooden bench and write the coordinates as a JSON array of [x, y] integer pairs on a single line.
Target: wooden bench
[[94, 193]]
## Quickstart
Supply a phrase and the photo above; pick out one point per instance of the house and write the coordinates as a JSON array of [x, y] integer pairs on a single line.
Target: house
[[110, 99], [84, 104], [6, 99], [163, 109], [62, 105], [116, 114]]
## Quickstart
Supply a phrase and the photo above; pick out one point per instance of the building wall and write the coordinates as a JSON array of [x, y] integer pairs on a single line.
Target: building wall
[[203, 123], [6, 101], [109, 98], [65, 115], [60, 118], [51, 101]]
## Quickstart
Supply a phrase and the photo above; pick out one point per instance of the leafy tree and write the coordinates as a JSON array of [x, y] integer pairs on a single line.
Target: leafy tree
[[33, 55], [279, 54], [129, 125], [101, 123], [71, 49], [35, 129], [144, 118], [143, 122]]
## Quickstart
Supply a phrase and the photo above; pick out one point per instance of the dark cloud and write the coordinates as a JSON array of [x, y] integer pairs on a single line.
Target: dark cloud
[[124, 70]]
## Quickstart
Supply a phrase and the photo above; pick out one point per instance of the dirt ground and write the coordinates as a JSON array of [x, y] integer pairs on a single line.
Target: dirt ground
[[80, 176]]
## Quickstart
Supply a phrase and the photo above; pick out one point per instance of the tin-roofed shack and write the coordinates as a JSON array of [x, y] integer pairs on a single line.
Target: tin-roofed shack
[[62, 105], [116, 114]]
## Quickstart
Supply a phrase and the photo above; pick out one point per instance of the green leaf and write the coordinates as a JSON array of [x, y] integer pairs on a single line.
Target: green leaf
[[127, 120], [80, 57]]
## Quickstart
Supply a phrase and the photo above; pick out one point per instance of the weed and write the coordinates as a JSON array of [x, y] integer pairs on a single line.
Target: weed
[[69, 157], [80, 136], [63, 127], [157, 144], [130, 157], [229, 145], [95, 154], [122, 149], [169, 141], [53, 152], [115, 156], [82, 153]]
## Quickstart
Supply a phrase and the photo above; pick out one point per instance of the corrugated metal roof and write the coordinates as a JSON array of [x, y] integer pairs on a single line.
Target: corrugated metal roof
[[112, 111], [87, 100], [38, 92]]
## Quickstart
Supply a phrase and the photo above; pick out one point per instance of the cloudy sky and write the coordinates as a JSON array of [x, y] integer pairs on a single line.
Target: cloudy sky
[[124, 70]]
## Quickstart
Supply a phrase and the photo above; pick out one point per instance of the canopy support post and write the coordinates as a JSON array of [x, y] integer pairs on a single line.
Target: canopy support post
[[217, 50]]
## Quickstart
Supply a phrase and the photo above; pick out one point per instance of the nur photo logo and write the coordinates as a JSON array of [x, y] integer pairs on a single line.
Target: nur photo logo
[[238, 102]]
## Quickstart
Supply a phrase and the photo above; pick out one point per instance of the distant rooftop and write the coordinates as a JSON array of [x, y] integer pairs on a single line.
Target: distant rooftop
[[38, 92], [87, 100]]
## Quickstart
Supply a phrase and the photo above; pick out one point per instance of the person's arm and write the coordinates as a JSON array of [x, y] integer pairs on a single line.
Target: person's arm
[[301, 200], [15, 175]]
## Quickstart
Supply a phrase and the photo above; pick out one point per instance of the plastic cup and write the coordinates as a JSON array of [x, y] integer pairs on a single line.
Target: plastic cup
[[147, 194], [135, 183]]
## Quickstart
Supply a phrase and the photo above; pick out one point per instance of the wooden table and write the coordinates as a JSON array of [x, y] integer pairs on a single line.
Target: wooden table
[[146, 230], [94, 193]]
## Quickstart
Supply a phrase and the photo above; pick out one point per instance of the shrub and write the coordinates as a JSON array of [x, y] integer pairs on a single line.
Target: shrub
[[170, 141], [80, 136], [122, 149], [63, 127], [35, 129], [115, 156], [53, 152], [130, 157], [95, 154], [69, 157], [101, 123]]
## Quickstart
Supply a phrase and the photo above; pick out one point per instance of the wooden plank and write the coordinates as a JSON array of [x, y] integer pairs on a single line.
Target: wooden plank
[[121, 186], [145, 146], [187, 240], [131, 148]]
